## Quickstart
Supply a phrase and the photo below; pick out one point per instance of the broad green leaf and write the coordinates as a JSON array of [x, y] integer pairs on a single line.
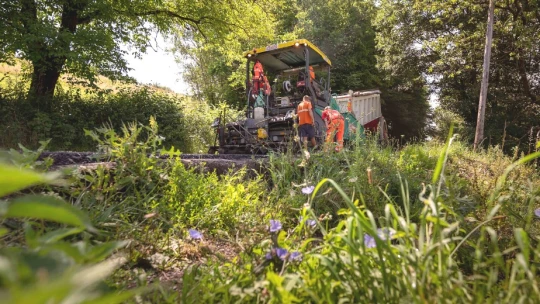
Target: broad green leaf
[[13, 179], [71, 250], [48, 208], [73, 286]]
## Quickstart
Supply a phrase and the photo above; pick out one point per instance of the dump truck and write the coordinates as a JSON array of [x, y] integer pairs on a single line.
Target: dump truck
[[277, 78]]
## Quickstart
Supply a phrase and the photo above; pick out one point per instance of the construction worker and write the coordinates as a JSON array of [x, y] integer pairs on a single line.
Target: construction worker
[[306, 122], [259, 80], [314, 84], [335, 125]]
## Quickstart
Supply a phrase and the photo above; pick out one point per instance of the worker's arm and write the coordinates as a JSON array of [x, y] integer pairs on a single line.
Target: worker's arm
[[325, 118]]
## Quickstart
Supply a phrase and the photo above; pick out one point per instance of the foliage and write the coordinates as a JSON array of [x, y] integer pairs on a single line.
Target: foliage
[[144, 184], [390, 257], [444, 41], [84, 38], [185, 122], [364, 170], [52, 263], [391, 238], [214, 65]]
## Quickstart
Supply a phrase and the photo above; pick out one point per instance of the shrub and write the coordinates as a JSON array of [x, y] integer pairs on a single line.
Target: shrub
[[185, 122], [141, 183]]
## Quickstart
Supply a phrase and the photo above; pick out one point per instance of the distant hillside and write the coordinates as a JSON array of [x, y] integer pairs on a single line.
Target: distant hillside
[[13, 77]]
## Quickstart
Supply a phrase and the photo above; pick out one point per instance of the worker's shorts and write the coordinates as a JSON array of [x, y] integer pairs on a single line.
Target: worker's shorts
[[306, 130]]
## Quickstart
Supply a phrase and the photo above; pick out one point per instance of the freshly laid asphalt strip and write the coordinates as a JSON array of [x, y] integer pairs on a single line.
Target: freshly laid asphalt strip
[[207, 162], [64, 158]]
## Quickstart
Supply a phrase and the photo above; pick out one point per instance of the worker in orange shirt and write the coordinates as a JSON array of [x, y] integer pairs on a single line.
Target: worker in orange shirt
[[306, 122], [314, 84], [335, 125]]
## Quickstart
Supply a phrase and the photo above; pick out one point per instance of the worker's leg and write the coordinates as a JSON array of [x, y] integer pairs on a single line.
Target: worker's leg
[[304, 142], [313, 142], [330, 133], [303, 135], [316, 87], [340, 133]]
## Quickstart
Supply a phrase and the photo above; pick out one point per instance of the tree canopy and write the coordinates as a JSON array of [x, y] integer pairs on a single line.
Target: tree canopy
[[444, 41], [89, 37]]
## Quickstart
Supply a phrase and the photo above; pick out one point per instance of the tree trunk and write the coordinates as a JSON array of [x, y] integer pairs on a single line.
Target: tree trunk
[[47, 69], [479, 135], [44, 79]]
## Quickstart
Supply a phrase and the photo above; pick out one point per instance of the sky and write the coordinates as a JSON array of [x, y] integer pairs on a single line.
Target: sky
[[158, 66]]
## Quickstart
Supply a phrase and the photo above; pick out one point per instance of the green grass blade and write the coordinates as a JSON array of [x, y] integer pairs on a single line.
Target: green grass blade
[[440, 163]]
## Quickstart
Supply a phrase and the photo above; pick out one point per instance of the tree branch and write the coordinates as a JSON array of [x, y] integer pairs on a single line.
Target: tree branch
[[194, 22], [170, 14]]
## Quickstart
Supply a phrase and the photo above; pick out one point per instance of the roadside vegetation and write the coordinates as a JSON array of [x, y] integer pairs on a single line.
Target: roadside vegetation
[[410, 221], [425, 222], [63, 118]]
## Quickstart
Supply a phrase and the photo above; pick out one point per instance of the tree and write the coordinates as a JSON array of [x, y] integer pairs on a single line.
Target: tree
[[85, 37], [444, 41], [344, 30], [214, 65]]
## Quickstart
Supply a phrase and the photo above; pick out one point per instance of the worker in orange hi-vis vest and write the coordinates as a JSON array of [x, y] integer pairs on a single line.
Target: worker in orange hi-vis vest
[[306, 122], [335, 126]]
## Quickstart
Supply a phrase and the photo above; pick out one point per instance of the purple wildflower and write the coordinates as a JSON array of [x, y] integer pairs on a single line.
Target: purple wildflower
[[537, 212], [275, 225], [194, 234], [268, 256], [281, 253], [369, 241], [295, 256], [311, 223], [308, 189]]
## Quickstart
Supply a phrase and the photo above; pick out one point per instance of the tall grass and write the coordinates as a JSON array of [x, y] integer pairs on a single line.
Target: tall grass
[[409, 249], [421, 223]]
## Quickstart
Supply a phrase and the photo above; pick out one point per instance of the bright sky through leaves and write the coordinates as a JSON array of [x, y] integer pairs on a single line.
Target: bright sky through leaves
[[158, 66]]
